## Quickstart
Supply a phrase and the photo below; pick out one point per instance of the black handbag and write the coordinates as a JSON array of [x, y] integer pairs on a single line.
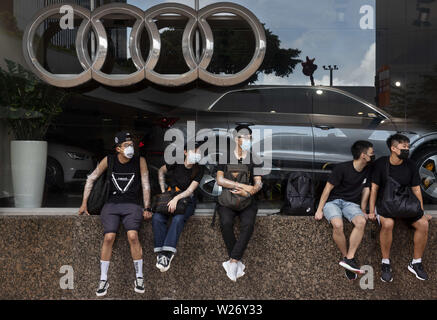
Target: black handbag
[[100, 192], [161, 200], [398, 201]]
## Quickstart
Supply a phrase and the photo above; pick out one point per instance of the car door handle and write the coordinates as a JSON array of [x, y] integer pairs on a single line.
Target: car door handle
[[325, 127]]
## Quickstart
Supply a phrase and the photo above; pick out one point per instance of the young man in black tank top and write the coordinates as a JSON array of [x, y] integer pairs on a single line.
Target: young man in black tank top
[[129, 177]]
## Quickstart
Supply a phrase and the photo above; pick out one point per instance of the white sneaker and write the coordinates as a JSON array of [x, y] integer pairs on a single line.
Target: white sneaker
[[103, 288], [240, 270], [231, 270]]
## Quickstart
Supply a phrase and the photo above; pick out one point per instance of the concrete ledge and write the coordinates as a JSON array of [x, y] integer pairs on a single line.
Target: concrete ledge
[[287, 258]]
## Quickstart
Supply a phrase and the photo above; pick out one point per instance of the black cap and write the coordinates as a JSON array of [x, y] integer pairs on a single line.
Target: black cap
[[122, 137]]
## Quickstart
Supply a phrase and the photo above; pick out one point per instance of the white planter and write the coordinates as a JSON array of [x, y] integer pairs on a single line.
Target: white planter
[[28, 164]]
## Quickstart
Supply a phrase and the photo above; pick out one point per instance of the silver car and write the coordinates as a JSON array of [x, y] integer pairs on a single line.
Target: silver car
[[313, 129]]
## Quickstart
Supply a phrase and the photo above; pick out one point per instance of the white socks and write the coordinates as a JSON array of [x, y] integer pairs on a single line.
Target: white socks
[[104, 266], [138, 264], [387, 261]]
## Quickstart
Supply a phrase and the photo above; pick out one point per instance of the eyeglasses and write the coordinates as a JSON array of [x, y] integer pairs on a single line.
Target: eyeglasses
[[245, 137], [125, 145]]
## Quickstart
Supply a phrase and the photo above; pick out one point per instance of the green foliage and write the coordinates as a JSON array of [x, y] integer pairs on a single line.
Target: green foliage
[[28, 104], [233, 50]]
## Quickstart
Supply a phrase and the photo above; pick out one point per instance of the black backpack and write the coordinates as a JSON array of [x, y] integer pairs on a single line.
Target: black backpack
[[299, 195], [100, 192]]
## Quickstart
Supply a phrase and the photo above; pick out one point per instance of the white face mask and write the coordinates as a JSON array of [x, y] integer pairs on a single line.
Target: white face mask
[[246, 144], [129, 152], [194, 157]]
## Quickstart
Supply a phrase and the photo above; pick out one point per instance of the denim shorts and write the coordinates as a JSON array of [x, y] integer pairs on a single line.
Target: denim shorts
[[341, 208]]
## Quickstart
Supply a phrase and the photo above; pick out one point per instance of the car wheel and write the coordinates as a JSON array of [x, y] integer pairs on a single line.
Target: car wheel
[[426, 162], [54, 175]]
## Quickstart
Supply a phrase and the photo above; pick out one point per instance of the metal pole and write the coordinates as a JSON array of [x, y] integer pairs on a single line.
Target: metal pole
[[330, 77]]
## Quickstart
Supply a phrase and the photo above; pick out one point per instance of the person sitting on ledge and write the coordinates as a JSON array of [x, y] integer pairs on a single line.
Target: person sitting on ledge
[[185, 179], [397, 172], [240, 182], [129, 176], [345, 195]]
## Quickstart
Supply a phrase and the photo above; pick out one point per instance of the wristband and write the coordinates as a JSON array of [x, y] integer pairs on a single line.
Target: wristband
[[147, 209]]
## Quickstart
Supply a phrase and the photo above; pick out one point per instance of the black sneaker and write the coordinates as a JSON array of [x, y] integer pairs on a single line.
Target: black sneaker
[[386, 271], [169, 255], [139, 285], [417, 269], [351, 265], [350, 275], [103, 288], [162, 262]]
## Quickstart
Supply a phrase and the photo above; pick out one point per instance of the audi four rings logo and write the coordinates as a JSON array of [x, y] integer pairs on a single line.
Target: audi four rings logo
[[145, 69]]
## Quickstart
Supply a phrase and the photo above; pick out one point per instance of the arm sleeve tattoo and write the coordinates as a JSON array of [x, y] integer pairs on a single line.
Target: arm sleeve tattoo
[[90, 182], [146, 188], [258, 184], [161, 178]]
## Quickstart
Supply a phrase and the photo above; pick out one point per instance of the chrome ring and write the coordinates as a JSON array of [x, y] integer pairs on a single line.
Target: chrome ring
[[145, 69]]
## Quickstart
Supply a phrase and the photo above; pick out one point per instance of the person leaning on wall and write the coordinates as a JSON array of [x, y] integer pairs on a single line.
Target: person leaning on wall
[[183, 180], [398, 175], [346, 195], [240, 183], [129, 176]]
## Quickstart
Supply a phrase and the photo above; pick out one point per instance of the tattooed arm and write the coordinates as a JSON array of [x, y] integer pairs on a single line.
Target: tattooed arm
[[145, 186], [187, 193], [101, 167], [161, 177], [226, 183]]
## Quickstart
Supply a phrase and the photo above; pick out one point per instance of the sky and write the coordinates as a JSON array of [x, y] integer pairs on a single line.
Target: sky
[[328, 30]]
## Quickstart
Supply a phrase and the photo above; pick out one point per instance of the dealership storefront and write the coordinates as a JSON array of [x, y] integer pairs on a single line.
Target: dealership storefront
[[151, 66]]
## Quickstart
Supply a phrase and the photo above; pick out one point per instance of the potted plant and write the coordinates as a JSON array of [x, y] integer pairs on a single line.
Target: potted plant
[[29, 106]]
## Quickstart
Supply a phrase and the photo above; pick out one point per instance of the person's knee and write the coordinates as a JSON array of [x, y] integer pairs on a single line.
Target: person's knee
[[387, 224], [337, 224], [248, 225], [132, 237], [359, 222], [422, 225], [226, 221], [178, 219], [109, 238]]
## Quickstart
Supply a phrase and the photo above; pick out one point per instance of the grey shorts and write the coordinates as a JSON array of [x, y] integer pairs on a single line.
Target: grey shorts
[[130, 214]]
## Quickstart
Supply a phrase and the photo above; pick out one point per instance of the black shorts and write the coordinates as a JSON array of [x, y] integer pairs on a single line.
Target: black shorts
[[406, 220], [131, 215]]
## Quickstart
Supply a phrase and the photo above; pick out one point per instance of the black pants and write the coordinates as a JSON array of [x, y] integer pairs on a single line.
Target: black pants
[[247, 216]]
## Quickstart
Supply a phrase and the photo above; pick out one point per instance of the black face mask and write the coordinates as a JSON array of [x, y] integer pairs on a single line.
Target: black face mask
[[372, 158], [404, 154]]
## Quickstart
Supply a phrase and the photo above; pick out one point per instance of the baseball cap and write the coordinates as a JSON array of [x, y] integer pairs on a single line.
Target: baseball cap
[[121, 137]]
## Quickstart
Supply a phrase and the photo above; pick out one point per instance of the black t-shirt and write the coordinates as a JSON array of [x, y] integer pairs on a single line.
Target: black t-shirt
[[125, 184], [253, 162], [348, 182], [406, 174], [181, 176]]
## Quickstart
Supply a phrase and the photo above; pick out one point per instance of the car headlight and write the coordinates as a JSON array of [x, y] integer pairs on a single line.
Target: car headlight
[[78, 156]]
